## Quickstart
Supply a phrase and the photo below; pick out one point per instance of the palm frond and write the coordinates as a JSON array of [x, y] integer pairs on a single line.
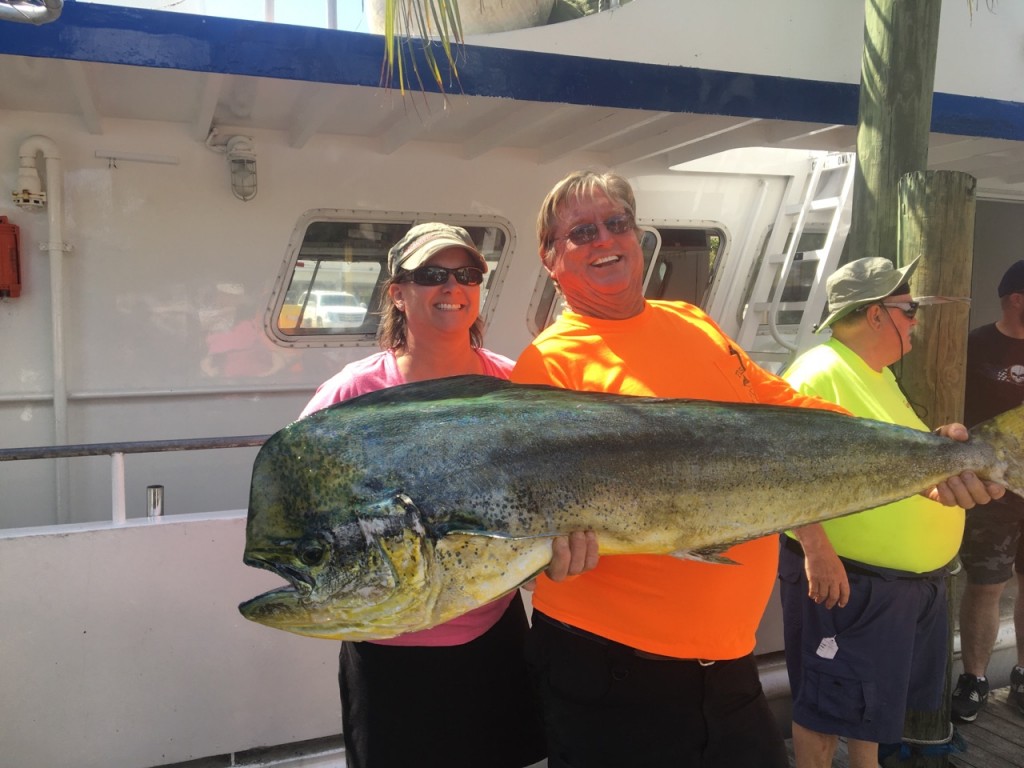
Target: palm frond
[[409, 26]]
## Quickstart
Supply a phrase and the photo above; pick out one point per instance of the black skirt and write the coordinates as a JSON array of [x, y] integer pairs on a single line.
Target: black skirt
[[460, 706]]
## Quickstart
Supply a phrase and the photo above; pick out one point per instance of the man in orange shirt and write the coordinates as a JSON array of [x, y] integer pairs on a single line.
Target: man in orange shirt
[[647, 660]]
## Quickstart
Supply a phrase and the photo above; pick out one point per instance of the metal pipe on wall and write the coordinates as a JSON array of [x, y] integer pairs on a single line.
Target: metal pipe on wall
[[33, 199]]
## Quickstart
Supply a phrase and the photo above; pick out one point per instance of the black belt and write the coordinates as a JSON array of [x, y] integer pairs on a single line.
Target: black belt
[[863, 569], [545, 619]]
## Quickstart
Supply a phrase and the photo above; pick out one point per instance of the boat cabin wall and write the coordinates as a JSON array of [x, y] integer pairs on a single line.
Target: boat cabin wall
[[998, 233], [162, 257]]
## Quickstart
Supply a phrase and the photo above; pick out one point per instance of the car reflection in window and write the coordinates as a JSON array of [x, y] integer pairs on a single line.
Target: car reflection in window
[[335, 309]]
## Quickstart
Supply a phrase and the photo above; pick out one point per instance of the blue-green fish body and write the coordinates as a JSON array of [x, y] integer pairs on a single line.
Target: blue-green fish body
[[401, 509]]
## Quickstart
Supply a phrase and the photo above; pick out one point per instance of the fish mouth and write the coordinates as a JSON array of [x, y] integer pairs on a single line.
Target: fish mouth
[[300, 580], [277, 608], [292, 607], [281, 608]]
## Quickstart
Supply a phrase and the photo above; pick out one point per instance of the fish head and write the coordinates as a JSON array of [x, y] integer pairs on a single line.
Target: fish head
[[349, 582], [353, 554]]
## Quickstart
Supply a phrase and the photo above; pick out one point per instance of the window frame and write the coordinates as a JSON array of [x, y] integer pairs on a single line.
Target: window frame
[[495, 277], [546, 303]]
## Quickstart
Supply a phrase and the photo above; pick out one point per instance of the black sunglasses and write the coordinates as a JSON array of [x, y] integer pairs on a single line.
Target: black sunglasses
[[908, 308], [439, 275], [587, 233]]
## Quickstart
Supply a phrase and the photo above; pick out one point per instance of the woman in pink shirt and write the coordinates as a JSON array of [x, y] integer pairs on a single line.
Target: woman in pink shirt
[[458, 694]]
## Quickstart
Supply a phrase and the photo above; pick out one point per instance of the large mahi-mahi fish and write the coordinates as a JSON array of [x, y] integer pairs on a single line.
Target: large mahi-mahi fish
[[401, 509]]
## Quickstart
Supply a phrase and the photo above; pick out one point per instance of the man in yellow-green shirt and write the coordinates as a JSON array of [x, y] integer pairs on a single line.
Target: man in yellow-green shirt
[[864, 605]]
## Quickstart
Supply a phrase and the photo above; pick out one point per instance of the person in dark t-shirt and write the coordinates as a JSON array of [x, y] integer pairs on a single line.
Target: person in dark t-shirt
[[993, 547]]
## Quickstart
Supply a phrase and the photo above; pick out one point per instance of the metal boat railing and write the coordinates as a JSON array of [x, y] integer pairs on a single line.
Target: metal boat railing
[[117, 452]]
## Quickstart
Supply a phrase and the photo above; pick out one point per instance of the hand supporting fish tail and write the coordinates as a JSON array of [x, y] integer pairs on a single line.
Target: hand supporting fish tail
[[966, 489]]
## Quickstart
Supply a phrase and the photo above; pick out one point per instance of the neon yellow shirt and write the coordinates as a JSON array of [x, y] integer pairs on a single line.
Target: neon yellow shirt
[[915, 534]]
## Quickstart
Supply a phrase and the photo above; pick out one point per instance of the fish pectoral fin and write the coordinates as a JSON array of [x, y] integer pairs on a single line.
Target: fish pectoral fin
[[530, 578], [495, 534], [708, 555]]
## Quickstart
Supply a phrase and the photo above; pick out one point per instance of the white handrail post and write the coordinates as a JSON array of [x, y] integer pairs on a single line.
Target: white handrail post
[[117, 492]]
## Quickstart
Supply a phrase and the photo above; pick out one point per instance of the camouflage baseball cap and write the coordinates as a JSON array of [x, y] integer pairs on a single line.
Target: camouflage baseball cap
[[424, 240]]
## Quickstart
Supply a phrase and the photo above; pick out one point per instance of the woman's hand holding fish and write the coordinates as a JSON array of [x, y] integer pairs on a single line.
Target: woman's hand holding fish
[[827, 582], [572, 555], [966, 489]]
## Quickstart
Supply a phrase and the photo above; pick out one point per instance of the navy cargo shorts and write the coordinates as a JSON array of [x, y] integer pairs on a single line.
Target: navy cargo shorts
[[855, 671], [992, 541]]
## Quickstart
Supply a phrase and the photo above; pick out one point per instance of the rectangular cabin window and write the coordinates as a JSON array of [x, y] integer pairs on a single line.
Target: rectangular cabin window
[[331, 284]]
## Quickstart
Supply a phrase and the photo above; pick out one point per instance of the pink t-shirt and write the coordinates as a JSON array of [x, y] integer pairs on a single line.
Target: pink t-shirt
[[377, 372]]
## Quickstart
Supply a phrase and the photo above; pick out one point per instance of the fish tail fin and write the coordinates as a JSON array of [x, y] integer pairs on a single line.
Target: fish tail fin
[[1005, 433]]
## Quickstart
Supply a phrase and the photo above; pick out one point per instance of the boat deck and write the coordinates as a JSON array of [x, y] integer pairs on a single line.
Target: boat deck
[[994, 740]]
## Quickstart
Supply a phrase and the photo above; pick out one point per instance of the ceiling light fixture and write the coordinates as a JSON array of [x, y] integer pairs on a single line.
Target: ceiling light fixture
[[242, 165]]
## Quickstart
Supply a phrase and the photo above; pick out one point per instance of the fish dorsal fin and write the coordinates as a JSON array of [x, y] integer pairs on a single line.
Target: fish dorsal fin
[[468, 386], [471, 386]]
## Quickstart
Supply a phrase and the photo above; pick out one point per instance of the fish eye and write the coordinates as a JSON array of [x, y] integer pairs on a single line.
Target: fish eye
[[312, 552]]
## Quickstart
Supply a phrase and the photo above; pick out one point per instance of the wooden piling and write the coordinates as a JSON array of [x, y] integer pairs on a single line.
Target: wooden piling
[[936, 221]]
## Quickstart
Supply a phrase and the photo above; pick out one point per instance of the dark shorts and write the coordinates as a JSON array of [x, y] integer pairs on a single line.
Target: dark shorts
[[461, 706], [993, 546], [606, 706], [892, 642]]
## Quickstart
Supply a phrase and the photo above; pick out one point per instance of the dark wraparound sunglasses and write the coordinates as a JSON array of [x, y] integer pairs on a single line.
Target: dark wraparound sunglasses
[[439, 275], [908, 308], [587, 233]]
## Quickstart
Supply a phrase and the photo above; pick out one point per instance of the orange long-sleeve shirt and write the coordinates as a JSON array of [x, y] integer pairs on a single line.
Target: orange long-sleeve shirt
[[658, 603]]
